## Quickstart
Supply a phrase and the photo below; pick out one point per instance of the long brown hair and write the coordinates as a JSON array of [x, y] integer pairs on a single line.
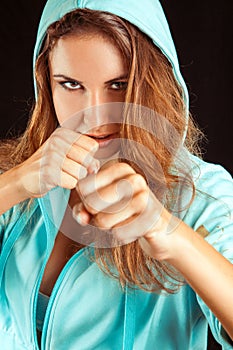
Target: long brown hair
[[152, 85]]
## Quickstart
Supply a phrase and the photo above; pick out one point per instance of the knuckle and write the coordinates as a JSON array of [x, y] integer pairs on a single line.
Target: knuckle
[[99, 222], [51, 147], [89, 207], [142, 200], [58, 131], [93, 145], [55, 135], [49, 173], [71, 184], [67, 181], [81, 173], [67, 136], [124, 168], [102, 221], [138, 181], [90, 143], [87, 158]]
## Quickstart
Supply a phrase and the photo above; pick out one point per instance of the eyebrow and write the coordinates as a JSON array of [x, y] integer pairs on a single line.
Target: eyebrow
[[121, 77], [65, 77]]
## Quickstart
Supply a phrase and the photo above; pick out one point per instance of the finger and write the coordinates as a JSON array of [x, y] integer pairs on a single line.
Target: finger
[[74, 169], [62, 140], [116, 196], [84, 158], [119, 218], [142, 223], [70, 137], [103, 178], [67, 181], [81, 215], [87, 143]]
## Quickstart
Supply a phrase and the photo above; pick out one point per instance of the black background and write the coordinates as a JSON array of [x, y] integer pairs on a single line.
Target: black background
[[202, 31]]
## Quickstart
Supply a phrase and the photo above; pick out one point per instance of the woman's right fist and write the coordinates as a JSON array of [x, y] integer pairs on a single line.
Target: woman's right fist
[[62, 160]]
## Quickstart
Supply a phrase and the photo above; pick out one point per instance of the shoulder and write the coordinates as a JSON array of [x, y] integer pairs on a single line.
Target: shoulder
[[211, 210], [16, 218], [212, 186], [212, 179]]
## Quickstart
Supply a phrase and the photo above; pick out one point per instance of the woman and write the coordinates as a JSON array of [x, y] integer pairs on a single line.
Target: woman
[[105, 204]]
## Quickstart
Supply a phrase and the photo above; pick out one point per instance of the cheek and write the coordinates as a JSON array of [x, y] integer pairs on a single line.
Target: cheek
[[65, 105]]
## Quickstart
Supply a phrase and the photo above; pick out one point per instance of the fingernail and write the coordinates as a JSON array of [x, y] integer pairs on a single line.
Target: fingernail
[[78, 218], [95, 148], [94, 167], [82, 173]]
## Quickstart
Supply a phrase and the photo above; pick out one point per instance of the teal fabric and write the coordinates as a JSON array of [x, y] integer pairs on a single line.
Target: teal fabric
[[42, 304], [87, 309]]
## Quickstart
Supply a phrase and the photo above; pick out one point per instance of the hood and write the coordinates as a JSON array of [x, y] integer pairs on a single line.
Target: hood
[[147, 15]]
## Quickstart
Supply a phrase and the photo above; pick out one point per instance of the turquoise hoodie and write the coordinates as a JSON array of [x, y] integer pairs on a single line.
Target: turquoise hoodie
[[87, 309]]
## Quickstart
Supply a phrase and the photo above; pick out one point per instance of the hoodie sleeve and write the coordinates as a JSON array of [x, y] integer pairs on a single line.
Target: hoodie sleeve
[[212, 214], [7, 223]]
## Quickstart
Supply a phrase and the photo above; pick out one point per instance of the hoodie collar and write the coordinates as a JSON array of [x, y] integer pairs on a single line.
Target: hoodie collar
[[53, 206]]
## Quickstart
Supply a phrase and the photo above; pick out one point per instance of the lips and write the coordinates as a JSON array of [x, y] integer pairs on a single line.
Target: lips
[[100, 137], [103, 139]]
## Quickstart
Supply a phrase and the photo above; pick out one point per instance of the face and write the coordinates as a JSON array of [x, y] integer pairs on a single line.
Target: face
[[88, 76]]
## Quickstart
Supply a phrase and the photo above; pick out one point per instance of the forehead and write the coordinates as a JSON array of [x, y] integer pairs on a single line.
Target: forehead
[[75, 54]]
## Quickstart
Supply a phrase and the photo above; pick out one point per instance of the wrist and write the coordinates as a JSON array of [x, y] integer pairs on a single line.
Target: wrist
[[11, 189], [164, 241], [182, 239], [18, 179]]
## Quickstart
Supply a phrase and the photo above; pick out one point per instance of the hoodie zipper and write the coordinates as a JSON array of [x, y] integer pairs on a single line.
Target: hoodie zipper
[[130, 317], [36, 292], [44, 338], [52, 298], [50, 231]]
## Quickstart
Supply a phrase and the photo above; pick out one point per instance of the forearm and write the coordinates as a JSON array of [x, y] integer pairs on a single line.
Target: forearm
[[10, 190], [206, 271]]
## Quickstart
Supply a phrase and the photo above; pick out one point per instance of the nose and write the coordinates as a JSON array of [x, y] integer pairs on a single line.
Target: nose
[[96, 112]]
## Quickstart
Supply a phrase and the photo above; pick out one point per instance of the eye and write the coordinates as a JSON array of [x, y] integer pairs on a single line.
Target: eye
[[70, 85], [119, 85]]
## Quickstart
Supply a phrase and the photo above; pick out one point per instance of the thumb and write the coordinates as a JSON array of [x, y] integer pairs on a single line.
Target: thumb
[[81, 215]]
